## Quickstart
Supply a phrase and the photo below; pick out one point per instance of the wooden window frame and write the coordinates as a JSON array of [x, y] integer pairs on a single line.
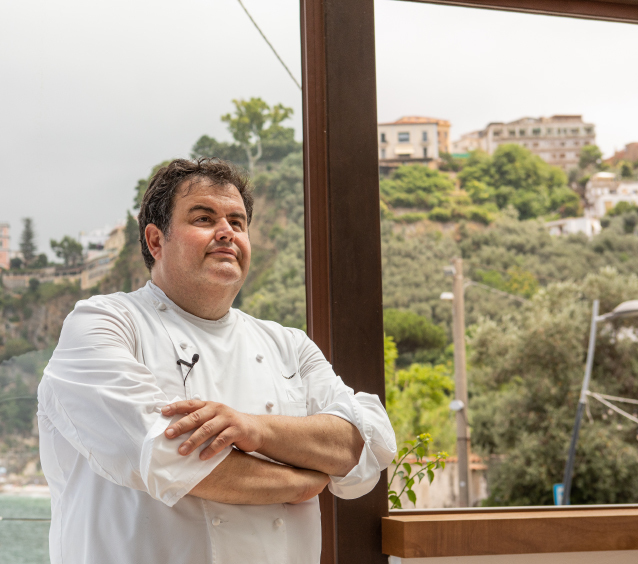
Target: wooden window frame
[[342, 227]]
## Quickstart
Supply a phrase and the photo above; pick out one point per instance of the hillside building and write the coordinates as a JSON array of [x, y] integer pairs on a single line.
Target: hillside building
[[412, 139], [100, 262], [4, 246], [604, 191], [557, 140]]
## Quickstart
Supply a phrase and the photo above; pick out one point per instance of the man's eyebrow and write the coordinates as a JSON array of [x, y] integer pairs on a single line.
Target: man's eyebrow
[[201, 207]]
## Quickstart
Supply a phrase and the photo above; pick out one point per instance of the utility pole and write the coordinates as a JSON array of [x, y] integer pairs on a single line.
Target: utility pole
[[460, 385]]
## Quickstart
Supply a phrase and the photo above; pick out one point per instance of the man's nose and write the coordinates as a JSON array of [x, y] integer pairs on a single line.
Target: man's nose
[[224, 231]]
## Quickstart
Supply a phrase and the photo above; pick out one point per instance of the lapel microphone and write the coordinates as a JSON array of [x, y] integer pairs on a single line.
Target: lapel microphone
[[190, 365]]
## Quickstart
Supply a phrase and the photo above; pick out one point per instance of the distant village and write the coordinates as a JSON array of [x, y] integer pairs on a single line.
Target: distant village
[[558, 140]]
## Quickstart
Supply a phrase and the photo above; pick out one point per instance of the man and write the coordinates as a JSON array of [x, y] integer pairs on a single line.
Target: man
[[153, 399]]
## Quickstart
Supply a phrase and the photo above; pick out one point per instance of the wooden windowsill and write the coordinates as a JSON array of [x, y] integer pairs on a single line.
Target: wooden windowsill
[[528, 530]]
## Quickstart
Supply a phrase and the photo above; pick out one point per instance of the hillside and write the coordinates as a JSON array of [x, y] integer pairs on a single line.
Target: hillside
[[525, 355]]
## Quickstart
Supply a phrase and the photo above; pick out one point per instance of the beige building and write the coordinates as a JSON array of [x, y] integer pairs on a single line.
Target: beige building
[[412, 139], [101, 262], [629, 153], [4, 246], [557, 140]]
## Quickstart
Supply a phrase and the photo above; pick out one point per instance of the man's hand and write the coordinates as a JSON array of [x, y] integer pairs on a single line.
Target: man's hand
[[211, 418], [324, 443]]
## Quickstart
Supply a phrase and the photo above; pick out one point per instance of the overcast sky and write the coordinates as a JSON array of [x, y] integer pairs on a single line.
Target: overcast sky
[[94, 93]]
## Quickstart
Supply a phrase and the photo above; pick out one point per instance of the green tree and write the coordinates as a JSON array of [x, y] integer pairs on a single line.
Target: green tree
[[143, 183], [412, 332], [27, 242], [416, 186], [517, 177], [626, 170], [590, 155], [68, 249], [209, 147], [252, 122], [417, 398], [525, 375]]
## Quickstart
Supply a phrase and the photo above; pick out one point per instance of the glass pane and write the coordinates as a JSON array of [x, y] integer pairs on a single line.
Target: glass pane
[[95, 99], [531, 178]]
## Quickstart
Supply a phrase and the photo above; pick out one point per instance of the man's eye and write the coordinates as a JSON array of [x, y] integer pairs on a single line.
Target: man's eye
[[203, 219]]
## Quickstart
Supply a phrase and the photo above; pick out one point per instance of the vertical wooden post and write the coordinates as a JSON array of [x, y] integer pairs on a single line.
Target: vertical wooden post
[[343, 240], [460, 386]]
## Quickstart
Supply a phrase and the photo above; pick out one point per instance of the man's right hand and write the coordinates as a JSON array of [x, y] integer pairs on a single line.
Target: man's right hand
[[242, 479]]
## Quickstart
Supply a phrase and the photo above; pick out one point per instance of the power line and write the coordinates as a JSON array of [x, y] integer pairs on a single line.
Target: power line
[[269, 44]]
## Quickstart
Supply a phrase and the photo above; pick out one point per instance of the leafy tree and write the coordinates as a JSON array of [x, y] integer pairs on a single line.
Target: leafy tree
[[15, 263], [411, 331], [626, 170], [417, 398], [416, 186], [590, 155], [621, 208], [142, 185], [525, 375], [209, 147], [41, 261], [449, 163], [68, 249], [254, 121], [515, 176], [27, 242]]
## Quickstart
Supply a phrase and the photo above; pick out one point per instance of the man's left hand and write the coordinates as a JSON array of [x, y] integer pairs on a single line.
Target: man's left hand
[[211, 418]]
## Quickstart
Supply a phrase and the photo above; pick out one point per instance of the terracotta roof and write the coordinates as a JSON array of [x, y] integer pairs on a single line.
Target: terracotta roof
[[414, 120]]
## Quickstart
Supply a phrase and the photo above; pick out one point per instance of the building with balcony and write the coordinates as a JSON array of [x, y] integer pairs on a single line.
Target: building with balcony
[[4, 246], [557, 140], [412, 139]]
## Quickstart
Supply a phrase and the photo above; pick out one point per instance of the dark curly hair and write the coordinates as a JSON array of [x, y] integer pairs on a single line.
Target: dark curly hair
[[159, 200]]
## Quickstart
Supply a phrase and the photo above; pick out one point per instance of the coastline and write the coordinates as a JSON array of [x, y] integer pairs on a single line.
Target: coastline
[[28, 490]]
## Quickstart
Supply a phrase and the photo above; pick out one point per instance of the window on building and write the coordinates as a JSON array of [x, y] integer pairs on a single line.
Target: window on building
[[497, 132], [536, 131], [548, 131], [589, 130], [562, 143], [383, 153], [522, 132], [512, 132], [575, 131], [425, 152], [424, 136], [404, 137], [562, 155], [383, 140], [535, 145]]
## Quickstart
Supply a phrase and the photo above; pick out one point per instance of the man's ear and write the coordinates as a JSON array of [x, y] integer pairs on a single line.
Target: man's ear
[[154, 240]]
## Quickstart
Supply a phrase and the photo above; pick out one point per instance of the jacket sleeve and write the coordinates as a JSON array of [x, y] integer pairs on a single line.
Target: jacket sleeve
[[107, 405], [326, 393]]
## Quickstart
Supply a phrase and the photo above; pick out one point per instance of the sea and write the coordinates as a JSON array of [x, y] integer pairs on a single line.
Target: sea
[[24, 542]]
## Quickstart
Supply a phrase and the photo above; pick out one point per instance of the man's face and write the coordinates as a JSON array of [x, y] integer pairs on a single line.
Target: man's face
[[208, 243]]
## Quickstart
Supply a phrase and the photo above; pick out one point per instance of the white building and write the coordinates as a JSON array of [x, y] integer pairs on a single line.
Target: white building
[[557, 140], [412, 139], [590, 226], [604, 191], [95, 240]]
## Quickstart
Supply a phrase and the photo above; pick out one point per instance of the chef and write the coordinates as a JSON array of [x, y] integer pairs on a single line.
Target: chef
[[174, 428]]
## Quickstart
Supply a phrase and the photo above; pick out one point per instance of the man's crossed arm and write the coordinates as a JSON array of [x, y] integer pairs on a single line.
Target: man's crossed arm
[[309, 448]]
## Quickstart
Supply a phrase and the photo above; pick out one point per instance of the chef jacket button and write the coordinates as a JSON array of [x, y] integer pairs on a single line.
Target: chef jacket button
[[216, 521], [161, 306], [259, 358], [269, 405], [183, 344], [197, 396], [279, 522]]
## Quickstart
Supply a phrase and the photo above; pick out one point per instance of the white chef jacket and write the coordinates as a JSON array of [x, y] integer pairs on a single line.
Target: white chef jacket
[[118, 485]]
